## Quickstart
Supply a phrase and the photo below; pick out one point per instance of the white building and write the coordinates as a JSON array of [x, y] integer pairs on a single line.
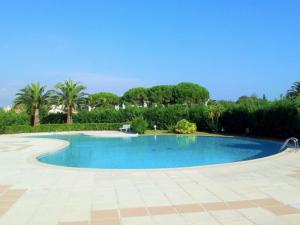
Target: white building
[[7, 108], [56, 109]]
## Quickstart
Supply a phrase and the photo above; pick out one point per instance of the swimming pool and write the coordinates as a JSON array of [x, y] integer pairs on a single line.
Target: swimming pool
[[146, 152]]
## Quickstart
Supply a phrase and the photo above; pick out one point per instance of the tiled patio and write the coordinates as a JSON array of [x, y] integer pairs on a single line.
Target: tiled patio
[[262, 192]]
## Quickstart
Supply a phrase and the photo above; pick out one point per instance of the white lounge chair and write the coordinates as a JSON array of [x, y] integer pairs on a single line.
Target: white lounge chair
[[125, 127]]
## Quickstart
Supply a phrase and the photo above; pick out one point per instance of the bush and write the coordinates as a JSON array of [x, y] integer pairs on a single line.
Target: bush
[[279, 119], [162, 116], [166, 116], [12, 118], [62, 127], [104, 115], [54, 118], [130, 113], [199, 114], [139, 125], [100, 115], [185, 127]]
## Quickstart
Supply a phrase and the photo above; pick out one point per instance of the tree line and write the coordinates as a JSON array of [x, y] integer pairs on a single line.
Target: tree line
[[34, 96], [71, 96], [182, 93], [249, 115]]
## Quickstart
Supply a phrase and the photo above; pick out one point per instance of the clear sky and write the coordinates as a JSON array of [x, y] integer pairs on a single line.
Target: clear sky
[[232, 47]]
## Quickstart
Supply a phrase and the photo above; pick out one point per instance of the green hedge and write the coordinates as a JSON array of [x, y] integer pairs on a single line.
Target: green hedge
[[62, 127], [12, 118], [54, 118], [258, 117], [162, 116], [166, 117], [279, 119], [99, 116]]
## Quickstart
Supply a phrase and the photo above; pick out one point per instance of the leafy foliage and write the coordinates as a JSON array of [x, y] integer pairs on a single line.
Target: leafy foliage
[[172, 103], [12, 118], [190, 93], [130, 113], [214, 112], [71, 96], [182, 93], [297, 103], [294, 91], [199, 114], [161, 94], [185, 127], [275, 119], [62, 127], [103, 99], [57, 118], [33, 97], [136, 95], [166, 116], [106, 115], [139, 125]]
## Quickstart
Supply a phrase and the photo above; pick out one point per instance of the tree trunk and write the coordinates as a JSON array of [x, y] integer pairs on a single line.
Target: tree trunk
[[36, 117], [217, 124], [69, 115]]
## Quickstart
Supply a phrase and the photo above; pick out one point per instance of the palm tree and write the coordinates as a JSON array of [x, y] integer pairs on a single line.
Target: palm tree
[[214, 113], [33, 96], [71, 96], [294, 91]]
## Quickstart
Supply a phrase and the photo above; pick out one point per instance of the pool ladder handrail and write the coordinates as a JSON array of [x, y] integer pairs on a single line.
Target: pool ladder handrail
[[287, 141]]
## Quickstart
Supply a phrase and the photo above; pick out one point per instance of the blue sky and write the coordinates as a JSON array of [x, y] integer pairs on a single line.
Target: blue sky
[[231, 47]]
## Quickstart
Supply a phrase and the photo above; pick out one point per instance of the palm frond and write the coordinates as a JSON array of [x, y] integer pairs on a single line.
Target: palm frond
[[69, 94], [294, 91]]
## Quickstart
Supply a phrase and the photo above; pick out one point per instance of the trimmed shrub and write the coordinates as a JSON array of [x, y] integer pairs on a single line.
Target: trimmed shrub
[[105, 115], [279, 119], [185, 127], [139, 125], [101, 115], [62, 127]]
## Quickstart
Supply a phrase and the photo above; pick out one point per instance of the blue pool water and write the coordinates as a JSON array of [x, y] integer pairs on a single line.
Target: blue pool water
[[156, 151]]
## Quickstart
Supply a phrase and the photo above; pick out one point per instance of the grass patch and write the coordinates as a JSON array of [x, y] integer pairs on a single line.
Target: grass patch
[[167, 132]]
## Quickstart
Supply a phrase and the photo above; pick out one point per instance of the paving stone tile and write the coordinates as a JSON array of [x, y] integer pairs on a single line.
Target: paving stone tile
[[133, 212], [213, 206], [282, 209], [240, 204], [266, 202], [104, 214], [161, 210], [187, 208], [74, 223], [105, 222]]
